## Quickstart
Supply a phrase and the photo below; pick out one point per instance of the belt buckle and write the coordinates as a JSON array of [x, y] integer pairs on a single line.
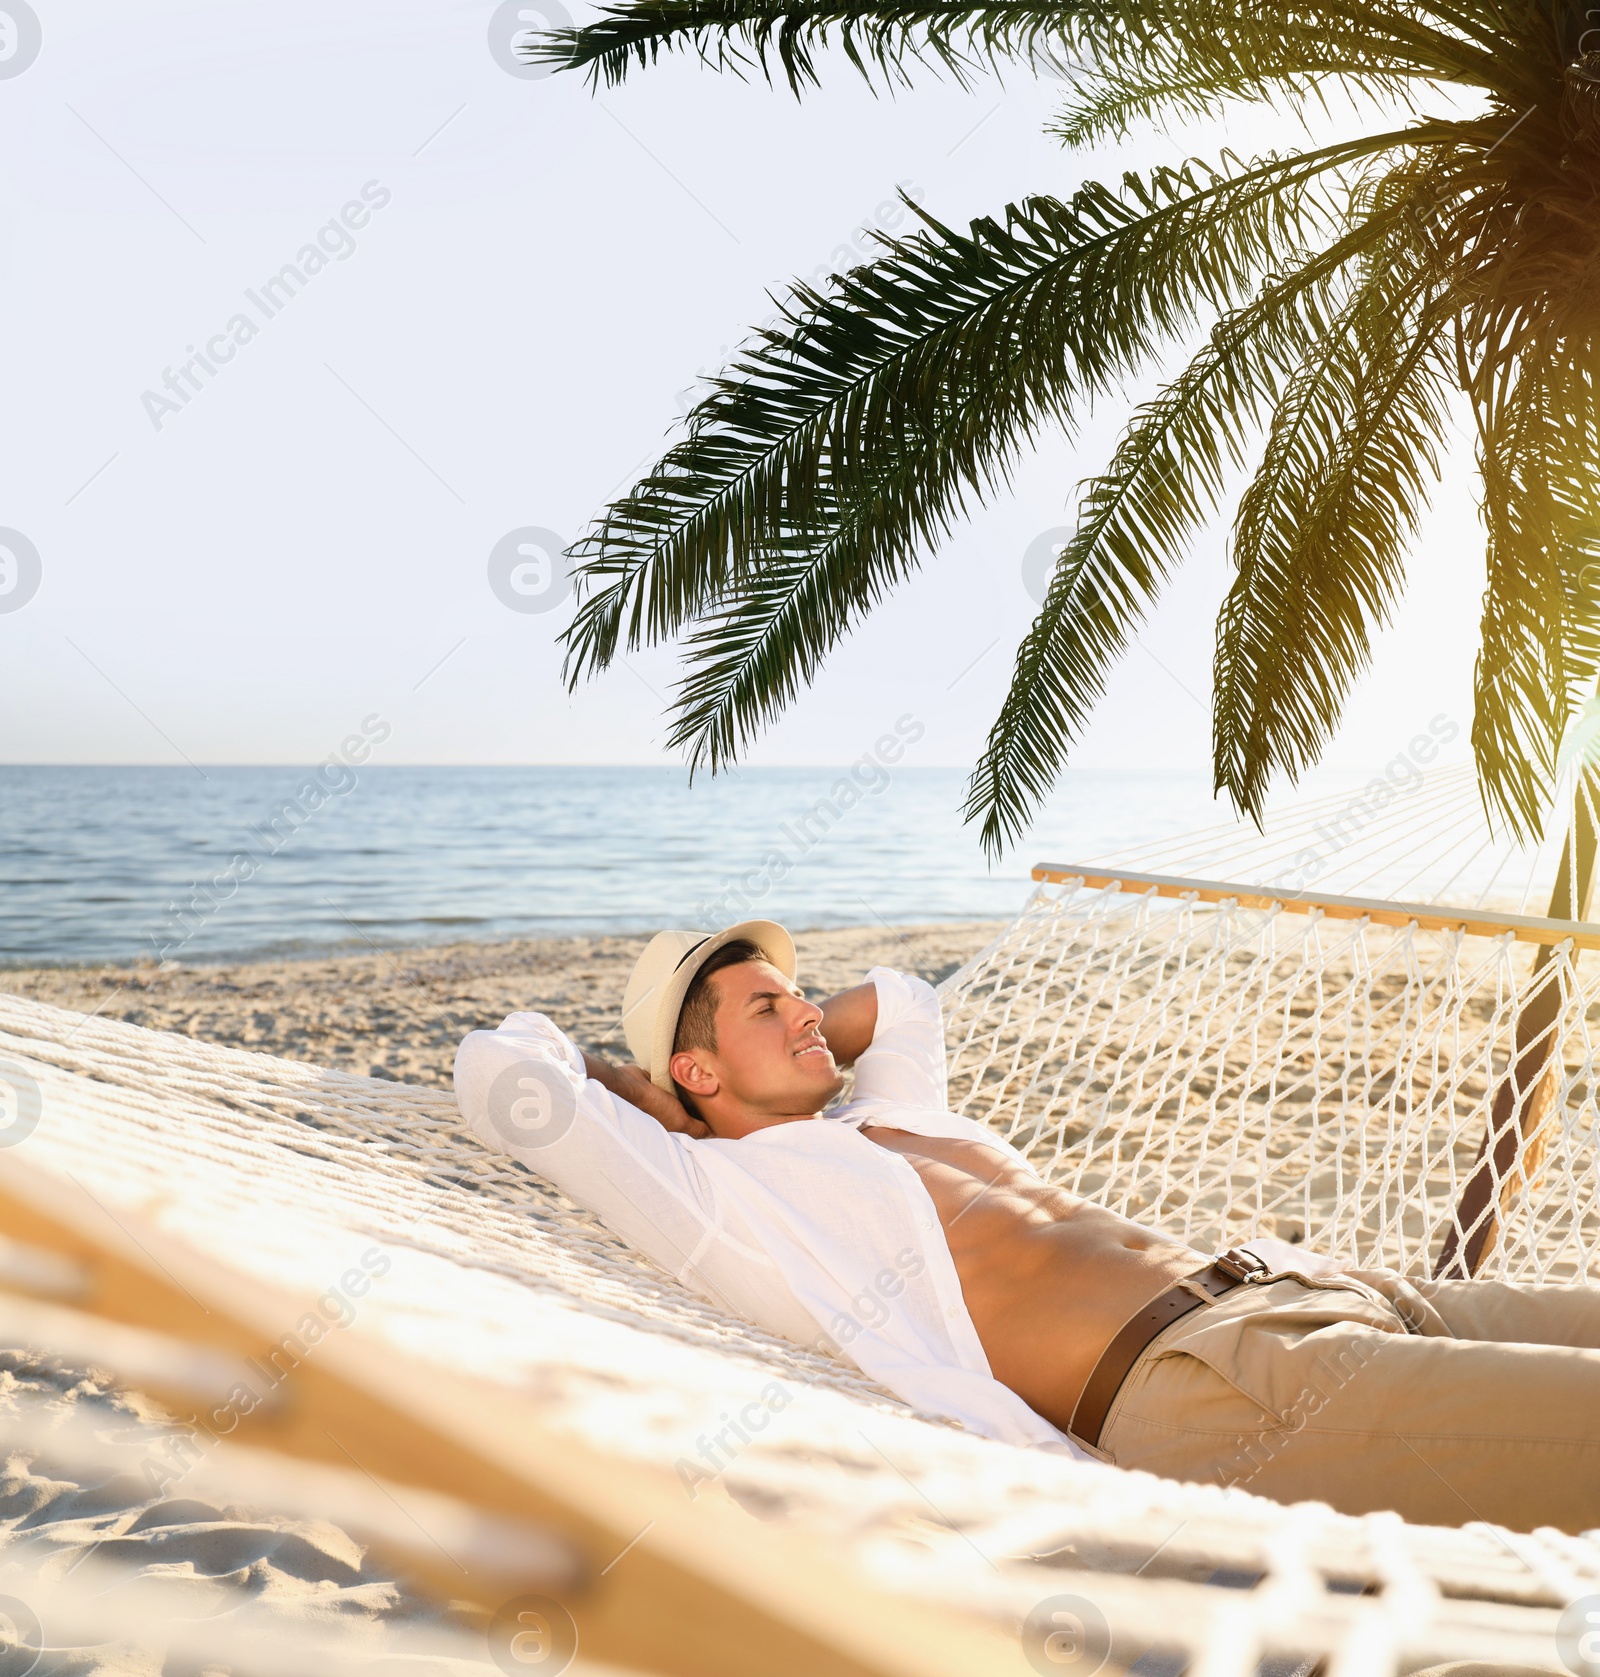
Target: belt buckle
[[1241, 1265]]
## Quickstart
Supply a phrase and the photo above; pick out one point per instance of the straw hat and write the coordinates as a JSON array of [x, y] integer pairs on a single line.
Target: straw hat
[[654, 997]]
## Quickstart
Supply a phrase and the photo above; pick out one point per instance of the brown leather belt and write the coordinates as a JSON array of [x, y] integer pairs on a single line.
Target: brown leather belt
[[1135, 1336]]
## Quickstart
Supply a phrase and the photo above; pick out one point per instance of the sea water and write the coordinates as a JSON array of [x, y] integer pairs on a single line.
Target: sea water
[[212, 864]]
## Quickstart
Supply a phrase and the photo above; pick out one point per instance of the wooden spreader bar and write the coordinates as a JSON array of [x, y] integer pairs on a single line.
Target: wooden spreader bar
[[1525, 928]]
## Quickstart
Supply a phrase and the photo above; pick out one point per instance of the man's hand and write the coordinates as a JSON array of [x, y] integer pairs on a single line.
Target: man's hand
[[632, 1084]]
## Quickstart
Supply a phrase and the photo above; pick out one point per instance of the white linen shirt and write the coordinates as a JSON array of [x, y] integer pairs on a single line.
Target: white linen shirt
[[807, 1228]]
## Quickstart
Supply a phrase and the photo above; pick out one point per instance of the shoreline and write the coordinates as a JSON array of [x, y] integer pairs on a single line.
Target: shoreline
[[463, 936], [399, 1013]]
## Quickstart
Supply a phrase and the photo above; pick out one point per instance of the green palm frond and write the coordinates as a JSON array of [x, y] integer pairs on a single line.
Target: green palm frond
[[1113, 100], [1196, 72], [1164, 480], [1134, 524], [1005, 327], [751, 35], [1539, 442], [1322, 531], [768, 633], [888, 41], [757, 648], [1346, 288]]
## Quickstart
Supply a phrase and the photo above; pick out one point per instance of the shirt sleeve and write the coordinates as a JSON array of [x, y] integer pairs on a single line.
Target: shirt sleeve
[[905, 1063], [523, 1091]]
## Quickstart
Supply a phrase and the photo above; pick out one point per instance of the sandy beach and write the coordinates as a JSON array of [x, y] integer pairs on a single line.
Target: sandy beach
[[400, 1013]]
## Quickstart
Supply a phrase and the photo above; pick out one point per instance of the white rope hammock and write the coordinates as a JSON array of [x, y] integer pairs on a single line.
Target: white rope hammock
[[1224, 1071], [1217, 1070]]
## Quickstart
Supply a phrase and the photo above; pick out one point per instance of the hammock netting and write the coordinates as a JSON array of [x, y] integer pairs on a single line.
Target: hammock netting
[[1224, 1072]]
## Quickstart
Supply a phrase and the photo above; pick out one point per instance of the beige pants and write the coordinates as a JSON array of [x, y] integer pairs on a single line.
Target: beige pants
[[1448, 1401]]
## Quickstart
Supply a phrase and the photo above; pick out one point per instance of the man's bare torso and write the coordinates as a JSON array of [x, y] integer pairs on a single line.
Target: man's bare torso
[[1048, 1278]]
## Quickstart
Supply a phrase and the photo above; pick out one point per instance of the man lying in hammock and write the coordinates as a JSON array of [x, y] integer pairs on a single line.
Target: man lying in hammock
[[928, 1252]]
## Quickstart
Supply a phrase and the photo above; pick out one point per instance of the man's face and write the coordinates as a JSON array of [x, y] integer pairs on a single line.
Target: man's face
[[771, 1062]]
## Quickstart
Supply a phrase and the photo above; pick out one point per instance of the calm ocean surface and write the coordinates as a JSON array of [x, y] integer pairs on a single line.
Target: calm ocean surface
[[110, 864]]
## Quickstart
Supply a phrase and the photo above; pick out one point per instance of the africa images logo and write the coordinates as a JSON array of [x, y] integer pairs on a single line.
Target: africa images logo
[[20, 38], [1066, 1636], [513, 28], [528, 569], [21, 1637], [1578, 1636], [21, 1105], [21, 570], [532, 1104], [532, 1633], [1040, 559]]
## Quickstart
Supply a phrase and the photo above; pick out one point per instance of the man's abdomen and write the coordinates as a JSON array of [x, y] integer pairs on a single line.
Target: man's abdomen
[[1048, 1279]]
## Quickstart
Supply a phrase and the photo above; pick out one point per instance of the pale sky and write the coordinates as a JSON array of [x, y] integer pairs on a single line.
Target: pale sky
[[499, 346]]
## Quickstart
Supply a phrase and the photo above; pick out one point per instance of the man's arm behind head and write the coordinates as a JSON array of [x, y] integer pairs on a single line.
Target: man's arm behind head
[[632, 1084], [849, 1020]]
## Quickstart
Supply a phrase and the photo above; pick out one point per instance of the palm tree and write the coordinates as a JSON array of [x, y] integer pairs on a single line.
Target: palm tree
[[1351, 289]]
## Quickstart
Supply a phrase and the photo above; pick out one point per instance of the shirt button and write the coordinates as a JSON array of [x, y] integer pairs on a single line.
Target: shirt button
[[924, 1222], [952, 1312]]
